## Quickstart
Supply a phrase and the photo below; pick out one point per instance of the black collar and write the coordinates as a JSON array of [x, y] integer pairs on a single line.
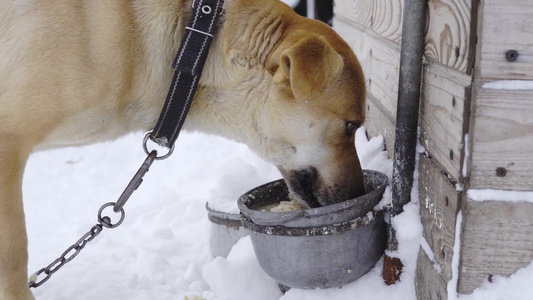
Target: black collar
[[189, 63]]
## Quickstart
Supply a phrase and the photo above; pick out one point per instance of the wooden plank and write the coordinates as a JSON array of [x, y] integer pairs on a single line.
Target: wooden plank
[[380, 60], [359, 40], [429, 284], [380, 122], [384, 73], [384, 18], [439, 203], [504, 26], [445, 108], [502, 137], [355, 12], [448, 37], [497, 238]]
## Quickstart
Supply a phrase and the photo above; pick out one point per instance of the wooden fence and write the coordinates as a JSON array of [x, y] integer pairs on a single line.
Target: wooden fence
[[478, 135]]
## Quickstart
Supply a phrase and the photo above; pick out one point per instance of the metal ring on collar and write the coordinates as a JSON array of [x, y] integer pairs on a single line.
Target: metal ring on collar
[[206, 9], [145, 147]]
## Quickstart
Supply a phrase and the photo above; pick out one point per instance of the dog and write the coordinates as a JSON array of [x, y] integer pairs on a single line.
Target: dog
[[77, 72]]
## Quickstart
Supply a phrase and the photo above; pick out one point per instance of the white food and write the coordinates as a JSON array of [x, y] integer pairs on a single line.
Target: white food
[[288, 205]]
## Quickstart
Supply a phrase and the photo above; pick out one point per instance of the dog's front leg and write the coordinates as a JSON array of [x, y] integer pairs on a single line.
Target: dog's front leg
[[13, 239]]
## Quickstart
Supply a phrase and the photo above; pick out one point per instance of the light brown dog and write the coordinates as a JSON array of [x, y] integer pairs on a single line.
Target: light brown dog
[[75, 72]]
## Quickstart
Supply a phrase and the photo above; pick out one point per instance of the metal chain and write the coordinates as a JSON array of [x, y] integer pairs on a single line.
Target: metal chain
[[66, 257], [103, 221]]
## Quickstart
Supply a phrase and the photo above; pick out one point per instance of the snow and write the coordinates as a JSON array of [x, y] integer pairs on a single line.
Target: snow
[[373, 157], [509, 85], [515, 287], [247, 172], [427, 249], [452, 284], [230, 278], [499, 195], [161, 251], [408, 229]]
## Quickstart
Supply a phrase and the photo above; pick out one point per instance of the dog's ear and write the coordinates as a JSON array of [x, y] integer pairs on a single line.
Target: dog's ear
[[308, 66]]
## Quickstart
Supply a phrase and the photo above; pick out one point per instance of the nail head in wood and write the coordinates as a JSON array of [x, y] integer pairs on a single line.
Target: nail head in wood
[[501, 172], [511, 55]]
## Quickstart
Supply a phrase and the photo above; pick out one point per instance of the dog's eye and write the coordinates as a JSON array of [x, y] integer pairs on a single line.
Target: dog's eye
[[351, 127]]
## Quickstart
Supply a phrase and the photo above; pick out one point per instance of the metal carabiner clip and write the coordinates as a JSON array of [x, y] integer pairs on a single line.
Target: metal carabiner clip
[[135, 181]]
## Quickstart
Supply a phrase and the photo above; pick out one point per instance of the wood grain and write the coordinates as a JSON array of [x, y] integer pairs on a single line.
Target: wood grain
[[384, 74], [359, 40], [497, 238], [380, 60], [502, 137], [439, 203], [448, 37], [380, 122], [444, 113], [429, 284], [504, 26], [383, 17]]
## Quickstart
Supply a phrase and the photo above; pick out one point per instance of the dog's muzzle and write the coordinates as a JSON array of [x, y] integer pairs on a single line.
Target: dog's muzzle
[[304, 183]]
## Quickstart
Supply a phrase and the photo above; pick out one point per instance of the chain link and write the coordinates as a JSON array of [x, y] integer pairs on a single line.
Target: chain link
[[103, 221], [66, 257]]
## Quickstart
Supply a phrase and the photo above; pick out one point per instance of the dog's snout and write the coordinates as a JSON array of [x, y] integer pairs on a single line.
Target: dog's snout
[[304, 183], [311, 188]]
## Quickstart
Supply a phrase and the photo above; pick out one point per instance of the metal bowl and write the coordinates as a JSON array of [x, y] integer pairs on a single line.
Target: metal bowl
[[226, 230], [321, 247]]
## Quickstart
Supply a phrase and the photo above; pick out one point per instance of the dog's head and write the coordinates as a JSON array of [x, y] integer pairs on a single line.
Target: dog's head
[[302, 95], [316, 103]]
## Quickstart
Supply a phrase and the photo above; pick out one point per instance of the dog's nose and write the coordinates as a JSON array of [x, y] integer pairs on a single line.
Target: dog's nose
[[304, 183]]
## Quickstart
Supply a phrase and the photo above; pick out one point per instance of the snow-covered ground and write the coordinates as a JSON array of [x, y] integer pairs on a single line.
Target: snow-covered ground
[[161, 251]]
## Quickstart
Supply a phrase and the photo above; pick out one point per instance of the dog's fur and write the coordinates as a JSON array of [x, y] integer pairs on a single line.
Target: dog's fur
[[75, 72]]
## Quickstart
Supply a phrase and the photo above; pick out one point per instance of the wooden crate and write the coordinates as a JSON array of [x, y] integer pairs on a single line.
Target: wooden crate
[[497, 238], [467, 46]]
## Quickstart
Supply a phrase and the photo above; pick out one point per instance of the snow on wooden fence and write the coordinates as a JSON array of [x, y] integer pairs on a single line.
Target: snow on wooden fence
[[477, 128]]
